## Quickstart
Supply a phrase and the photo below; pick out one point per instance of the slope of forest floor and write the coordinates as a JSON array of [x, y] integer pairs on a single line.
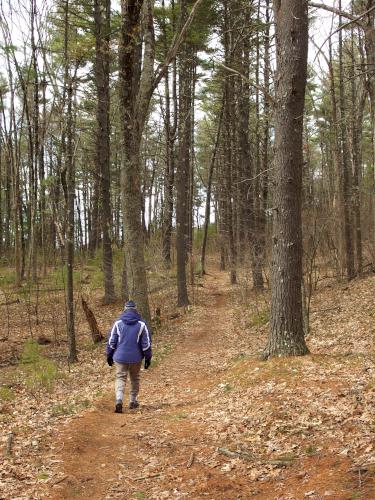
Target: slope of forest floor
[[214, 422]]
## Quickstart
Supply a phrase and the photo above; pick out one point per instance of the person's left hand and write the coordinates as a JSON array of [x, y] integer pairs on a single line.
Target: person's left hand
[[110, 359], [147, 363]]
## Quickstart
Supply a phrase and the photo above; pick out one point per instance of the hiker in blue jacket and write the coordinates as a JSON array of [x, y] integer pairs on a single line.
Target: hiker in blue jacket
[[128, 343]]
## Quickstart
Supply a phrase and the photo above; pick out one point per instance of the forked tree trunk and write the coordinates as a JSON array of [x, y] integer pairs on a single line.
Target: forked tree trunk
[[286, 336], [137, 84]]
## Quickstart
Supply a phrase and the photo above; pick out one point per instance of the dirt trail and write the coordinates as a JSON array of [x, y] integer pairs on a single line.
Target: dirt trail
[[162, 450], [106, 455]]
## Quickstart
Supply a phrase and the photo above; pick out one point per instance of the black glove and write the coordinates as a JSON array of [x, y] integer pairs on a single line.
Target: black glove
[[110, 359], [147, 363]]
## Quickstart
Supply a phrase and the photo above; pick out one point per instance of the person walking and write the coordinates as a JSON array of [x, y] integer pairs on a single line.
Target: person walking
[[129, 342]]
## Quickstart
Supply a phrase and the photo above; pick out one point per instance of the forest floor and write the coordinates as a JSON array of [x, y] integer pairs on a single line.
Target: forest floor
[[214, 421]]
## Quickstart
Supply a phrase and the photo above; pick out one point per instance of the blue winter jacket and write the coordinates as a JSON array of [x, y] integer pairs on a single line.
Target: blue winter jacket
[[130, 339]]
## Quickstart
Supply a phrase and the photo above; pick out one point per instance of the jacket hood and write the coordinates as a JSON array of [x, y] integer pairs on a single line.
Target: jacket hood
[[130, 317]]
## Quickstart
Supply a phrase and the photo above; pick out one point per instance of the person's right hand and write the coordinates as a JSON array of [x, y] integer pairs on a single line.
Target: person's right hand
[[110, 359], [147, 363]]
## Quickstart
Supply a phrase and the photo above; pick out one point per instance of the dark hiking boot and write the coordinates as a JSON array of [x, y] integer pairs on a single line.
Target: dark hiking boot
[[118, 408], [133, 405]]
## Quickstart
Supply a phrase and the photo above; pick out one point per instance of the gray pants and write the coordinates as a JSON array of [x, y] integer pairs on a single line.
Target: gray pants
[[122, 370]]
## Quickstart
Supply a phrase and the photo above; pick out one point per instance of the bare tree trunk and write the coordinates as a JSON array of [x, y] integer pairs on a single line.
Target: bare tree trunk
[[14, 175], [137, 84], [338, 201], [33, 152], [170, 133], [102, 13], [346, 171], [208, 194], [183, 167], [286, 336], [1, 189], [356, 123], [70, 188], [263, 180], [229, 141], [255, 202], [370, 56], [94, 234], [132, 128]]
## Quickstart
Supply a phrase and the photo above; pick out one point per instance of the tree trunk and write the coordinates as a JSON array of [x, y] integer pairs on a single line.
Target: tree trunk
[[286, 336], [102, 12], [183, 167], [263, 180], [170, 138], [70, 192], [208, 194], [357, 112], [229, 132], [132, 129], [346, 181], [370, 56]]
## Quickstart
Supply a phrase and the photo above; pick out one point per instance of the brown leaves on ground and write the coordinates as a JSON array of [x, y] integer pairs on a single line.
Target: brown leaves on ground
[[215, 422]]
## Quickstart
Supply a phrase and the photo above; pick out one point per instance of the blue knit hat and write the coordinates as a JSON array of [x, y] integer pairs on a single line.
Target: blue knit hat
[[130, 304]]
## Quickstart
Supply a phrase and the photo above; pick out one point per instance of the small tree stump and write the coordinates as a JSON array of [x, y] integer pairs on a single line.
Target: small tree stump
[[93, 324]]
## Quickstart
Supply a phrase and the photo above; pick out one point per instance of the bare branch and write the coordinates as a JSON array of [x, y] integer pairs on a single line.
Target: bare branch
[[252, 83], [338, 12], [347, 15], [176, 43]]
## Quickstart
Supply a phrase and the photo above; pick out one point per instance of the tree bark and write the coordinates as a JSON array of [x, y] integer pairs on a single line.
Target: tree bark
[[70, 197], [102, 12], [170, 139], [132, 129], [286, 336], [183, 166], [208, 194], [346, 181], [357, 111]]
